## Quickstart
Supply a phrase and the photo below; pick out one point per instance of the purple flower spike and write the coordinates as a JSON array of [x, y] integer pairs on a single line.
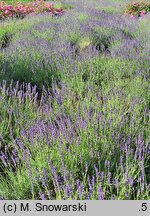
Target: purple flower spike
[[4, 159], [42, 195], [100, 193], [68, 191], [79, 188]]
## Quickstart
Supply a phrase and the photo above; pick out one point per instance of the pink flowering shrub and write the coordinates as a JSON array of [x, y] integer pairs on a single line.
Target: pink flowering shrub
[[20, 10], [137, 9]]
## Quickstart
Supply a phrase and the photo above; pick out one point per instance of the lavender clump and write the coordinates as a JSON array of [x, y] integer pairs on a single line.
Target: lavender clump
[[74, 106]]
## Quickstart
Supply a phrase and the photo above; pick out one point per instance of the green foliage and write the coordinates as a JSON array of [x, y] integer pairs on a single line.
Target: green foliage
[[109, 10], [63, 5], [76, 124], [101, 37], [83, 17], [73, 38], [21, 71]]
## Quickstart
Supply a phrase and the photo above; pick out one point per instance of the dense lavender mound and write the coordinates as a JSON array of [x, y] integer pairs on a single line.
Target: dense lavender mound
[[40, 54], [74, 122]]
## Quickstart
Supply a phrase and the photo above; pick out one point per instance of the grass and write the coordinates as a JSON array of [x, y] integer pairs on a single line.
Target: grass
[[74, 104], [108, 9]]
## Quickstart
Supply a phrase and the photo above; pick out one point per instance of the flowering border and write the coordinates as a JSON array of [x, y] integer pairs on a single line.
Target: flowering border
[[21, 10]]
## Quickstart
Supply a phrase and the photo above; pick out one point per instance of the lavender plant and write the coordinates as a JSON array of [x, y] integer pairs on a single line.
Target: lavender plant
[[74, 107]]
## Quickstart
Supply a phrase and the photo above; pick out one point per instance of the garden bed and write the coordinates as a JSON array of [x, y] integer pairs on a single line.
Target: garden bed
[[74, 104]]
